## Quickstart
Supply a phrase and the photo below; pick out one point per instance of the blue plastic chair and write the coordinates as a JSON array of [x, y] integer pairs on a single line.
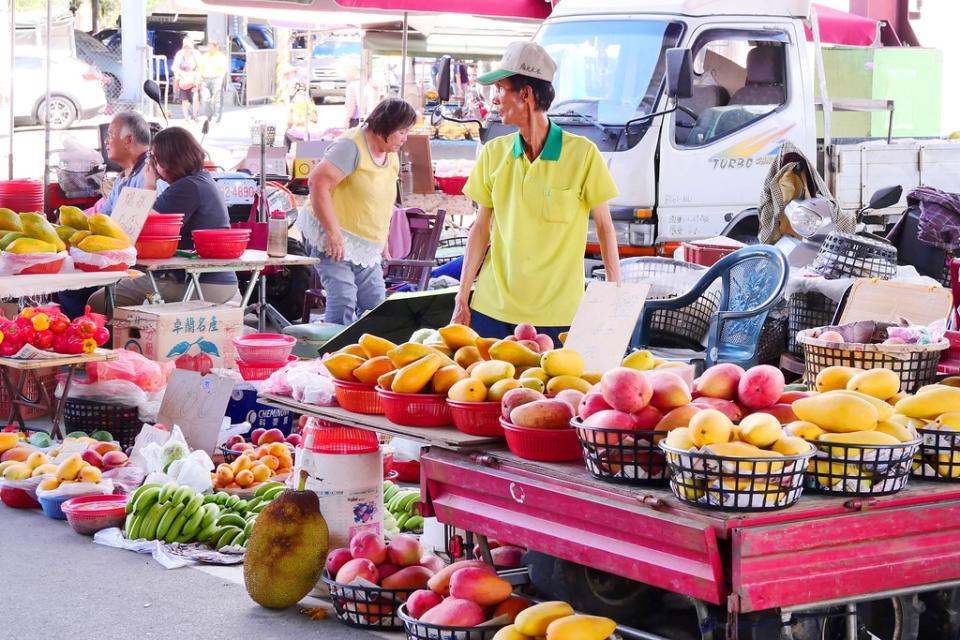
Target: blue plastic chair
[[753, 281]]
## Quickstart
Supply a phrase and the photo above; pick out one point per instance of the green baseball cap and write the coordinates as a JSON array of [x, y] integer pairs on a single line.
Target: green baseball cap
[[523, 59]]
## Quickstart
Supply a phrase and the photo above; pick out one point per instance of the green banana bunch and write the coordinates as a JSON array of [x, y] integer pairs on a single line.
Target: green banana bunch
[[402, 506]]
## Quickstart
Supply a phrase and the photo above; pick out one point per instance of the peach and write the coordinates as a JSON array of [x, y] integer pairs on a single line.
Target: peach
[[516, 397], [679, 417], [404, 550], [507, 556], [454, 612], [93, 458], [411, 578], [571, 397], [114, 459], [432, 562], [782, 412], [647, 418], [542, 414], [440, 582], [719, 381], [731, 409], [511, 607], [358, 568], [545, 342], [103, 448], [669, 391], [626, 389], [525, 331], [480, 586], [591, 403], [421, 601], [336, 559], [369, 545], [760, 386]]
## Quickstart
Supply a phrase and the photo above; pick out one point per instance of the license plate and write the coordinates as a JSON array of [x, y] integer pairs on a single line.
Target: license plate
[[327, 85], [238, 191]]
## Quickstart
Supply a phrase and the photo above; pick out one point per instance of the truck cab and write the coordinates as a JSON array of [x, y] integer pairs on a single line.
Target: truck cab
[[681, 175]]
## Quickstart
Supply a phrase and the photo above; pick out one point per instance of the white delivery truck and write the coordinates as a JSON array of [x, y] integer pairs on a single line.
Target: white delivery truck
[[685, 172]]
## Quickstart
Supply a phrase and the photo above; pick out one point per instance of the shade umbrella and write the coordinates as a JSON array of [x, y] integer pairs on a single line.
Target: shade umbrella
[[397, 317], [840, 27]]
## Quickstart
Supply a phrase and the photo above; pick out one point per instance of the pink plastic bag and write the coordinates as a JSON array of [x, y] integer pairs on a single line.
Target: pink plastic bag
[[132, 367]]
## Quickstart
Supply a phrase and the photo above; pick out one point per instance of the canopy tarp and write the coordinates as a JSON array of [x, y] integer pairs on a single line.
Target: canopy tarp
[[842, 28]]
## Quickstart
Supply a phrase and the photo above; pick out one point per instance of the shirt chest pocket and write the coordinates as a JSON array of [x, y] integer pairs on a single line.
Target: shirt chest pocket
[[560, 205]]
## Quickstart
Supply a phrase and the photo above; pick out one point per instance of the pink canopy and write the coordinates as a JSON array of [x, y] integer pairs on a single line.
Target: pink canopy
[[532, 9], [840, 27]]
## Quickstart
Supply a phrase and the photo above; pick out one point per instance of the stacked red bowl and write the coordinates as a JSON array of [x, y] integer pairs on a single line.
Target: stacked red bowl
[[220, 244], [160, 236], [21, 195]]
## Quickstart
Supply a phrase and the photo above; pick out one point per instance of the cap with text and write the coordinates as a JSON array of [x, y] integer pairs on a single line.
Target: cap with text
[[522, 59]]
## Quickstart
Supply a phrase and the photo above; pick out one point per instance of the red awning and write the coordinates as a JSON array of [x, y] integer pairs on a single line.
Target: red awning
[[839, 27], [531, 9]]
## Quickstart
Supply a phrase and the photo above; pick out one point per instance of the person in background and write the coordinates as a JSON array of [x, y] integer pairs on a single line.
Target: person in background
[[352, 98], [177, 159], [128, 140], [302, 118], [463, 80], [213, 70], [352, 194], [536, 190], [186, 76]]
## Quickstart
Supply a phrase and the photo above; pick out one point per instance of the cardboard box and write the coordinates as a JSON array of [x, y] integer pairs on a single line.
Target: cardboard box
[[307, 154], [169, 331], [243, 407], [276, 161]]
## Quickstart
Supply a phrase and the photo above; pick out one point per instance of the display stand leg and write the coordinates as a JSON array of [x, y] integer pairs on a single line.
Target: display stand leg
[[13, 393], [195, 280], [262, 305], [57, 405]]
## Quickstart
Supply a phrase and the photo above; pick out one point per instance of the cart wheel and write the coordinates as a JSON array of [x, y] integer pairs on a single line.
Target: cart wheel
[[891, 619], [940, 619]]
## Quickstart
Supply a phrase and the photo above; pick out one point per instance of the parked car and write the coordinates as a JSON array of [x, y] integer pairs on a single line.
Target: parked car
[[107, 62], [76, 94], [331, 60]]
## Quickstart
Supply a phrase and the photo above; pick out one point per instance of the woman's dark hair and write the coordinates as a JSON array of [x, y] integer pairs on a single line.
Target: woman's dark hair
[[178, 152], [543, 92], [391, 115]]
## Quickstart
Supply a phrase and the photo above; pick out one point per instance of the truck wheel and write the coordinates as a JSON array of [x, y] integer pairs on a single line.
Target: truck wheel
[[940, 619], [891, 619]]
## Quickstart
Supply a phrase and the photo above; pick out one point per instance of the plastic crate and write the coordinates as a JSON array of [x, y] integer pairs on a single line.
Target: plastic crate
[[845, 255], [706, 254], [938, 457]]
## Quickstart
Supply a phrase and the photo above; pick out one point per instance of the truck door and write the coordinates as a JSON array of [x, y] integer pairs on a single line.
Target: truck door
[[716, 149]]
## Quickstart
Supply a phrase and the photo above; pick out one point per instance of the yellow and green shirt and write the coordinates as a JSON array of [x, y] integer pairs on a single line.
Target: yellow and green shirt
[[534, 269]]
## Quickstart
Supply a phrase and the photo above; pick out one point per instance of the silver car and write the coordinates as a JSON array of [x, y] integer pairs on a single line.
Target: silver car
[[76, 91]]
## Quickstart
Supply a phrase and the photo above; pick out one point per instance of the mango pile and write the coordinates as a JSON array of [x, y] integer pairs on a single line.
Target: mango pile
[[28, 233], [94, 234], [556, 620]]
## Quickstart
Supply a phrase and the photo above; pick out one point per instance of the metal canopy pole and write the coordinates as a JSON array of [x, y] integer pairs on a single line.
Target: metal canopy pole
[[13, 39], [403, 56], [46, 108]]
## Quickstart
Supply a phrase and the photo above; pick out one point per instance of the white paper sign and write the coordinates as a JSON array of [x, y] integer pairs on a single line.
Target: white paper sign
[[605, 321], [197, 404], [132, 208]]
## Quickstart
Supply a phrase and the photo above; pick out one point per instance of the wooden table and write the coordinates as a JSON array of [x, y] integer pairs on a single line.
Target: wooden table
[[447, 437], [16, 287], [28, 370], [251, 260]]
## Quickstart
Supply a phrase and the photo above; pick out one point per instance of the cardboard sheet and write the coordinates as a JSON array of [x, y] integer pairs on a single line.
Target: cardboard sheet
[[605, 321]]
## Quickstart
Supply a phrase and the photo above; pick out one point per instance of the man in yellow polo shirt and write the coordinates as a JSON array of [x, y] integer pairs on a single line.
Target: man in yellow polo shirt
[[535, 191]]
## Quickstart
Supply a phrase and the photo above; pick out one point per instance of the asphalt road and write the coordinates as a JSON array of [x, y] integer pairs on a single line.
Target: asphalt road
[[57, 584]]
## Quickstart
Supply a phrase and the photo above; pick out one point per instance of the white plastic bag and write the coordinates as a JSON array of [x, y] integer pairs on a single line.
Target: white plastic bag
[[29, 485], [126, 478], [12, 264], [192, 470], [305, 381], [73, 489], [103, 259]]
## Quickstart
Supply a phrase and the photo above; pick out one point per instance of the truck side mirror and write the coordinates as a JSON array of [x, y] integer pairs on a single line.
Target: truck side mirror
[[443, 79], [679, 73]]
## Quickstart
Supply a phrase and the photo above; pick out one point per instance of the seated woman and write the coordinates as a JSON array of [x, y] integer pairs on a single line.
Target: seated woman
[[177, 158]]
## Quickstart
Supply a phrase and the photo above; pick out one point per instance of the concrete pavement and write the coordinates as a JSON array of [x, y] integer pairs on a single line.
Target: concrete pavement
[[60, 584]]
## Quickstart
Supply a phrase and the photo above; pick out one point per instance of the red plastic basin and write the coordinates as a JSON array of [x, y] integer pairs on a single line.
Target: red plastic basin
[[220, 244], [264, 348], [157, 247], [45, 268], [89, 514]]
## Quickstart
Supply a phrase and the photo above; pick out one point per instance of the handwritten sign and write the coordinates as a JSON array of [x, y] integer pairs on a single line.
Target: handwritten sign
[[197, 404], [132, 208], [605, 321]]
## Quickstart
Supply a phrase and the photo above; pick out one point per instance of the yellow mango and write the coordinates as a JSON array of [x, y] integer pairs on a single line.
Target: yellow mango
[[104, 225], [414, 377], [73, 217], [500, 387], [535, 372], [446, 377], [533, 383], [483, 347], [930, 404], [95, 243], [342, 365], [37, 226], [8, 440], [791, 446], [871, 437], [510, 632], [898, 431], [65, 233], [69, 468], [90, 474], [386, 380], [49, 483], [354, 350], [949, 464], [559, 383], [581, 627], [879, 383], [831, 473], [466, 356], [833, 378], [18, 471], [533, 621], [746, 450], [7, 463], [408, 352], [641, 360], [884, 410], [372, 369], [458, 335], [9, 220], [838, 413], [468, 390], [441, 348], [36, 459], [593, 377], [78, 237], [31, 245], [9, 237], [491, 371], [562, 362], [44, 470], [514, 353]]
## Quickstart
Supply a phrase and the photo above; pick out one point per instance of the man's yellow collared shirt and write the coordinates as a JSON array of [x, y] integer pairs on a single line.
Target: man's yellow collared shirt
[[534, 269]]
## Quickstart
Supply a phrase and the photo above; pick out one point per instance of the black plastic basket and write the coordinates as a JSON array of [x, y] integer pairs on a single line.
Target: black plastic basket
[[676, 328], [417, 630], [773, 339], [845, 255], [628, 457], [366, 607], [807, 310], [122, 422], [229, 455], [735, 484], [938, 457], [860, 470]]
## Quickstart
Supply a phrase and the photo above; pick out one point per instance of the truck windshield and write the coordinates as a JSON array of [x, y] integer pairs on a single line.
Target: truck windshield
[[335, 49], [608, 70]]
